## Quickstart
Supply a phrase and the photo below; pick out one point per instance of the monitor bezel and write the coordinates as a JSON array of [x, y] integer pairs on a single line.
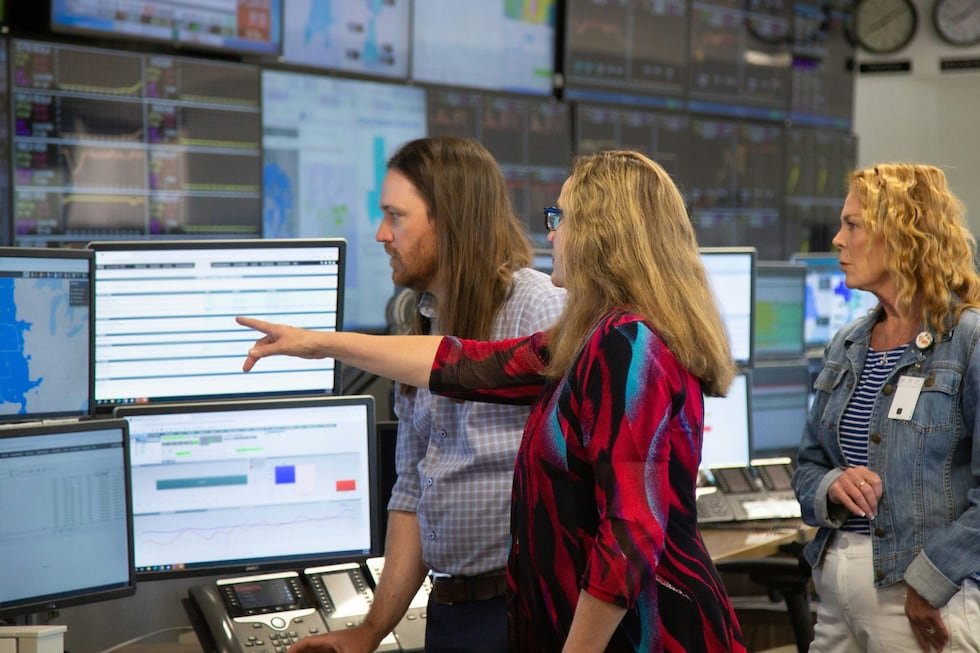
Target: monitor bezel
[[50, 602], [62, 253], [264, 243], [753, 253], [761, 270], [293, 562], [274, 49]]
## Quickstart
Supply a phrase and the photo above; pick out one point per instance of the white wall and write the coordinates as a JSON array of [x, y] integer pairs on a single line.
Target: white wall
[[925, 116]]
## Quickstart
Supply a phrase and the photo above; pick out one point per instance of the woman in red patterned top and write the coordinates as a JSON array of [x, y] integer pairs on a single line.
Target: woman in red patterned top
[[605, 554]]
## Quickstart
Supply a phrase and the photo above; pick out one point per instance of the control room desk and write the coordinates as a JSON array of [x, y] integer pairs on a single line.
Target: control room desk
[[746, 541]]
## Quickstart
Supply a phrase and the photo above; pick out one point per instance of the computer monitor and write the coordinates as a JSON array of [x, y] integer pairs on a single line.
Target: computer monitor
[[780, 299], [498, 46], [46, 322], [238, 26], [731, 273], [780, 398], [165, 312], [228, 487], [65, 515], [830, 304], [728, 426]]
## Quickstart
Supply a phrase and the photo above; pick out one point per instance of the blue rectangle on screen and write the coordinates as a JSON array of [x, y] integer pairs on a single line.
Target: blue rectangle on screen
[[285, 474]]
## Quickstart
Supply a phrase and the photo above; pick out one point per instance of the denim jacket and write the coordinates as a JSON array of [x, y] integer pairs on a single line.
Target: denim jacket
[[927, 530]]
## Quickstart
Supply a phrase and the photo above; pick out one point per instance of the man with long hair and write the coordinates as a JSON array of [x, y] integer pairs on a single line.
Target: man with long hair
[[452, 237]]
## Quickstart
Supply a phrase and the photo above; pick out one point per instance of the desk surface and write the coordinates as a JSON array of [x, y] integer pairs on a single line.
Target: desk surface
[[731, 543]]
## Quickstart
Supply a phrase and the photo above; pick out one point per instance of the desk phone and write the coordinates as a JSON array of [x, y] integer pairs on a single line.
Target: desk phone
[[737, 496], [268, 613], [262, 613]]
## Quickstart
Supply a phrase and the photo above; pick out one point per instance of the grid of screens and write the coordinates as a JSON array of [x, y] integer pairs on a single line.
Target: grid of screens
[[113, 144], [46, 322], [529, 138], [326, 145], [728, 426], [830, 304], [246, 26], [165, 312], [780, 303], [780, 399], [731, 273], [358, 37], [65, 515], [229, 487], [498, 45]]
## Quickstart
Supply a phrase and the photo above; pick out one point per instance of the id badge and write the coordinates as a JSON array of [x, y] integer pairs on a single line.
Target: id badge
[[906, 396]]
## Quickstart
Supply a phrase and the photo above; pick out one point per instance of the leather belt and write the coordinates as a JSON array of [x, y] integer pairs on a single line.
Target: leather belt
[[464, 589]]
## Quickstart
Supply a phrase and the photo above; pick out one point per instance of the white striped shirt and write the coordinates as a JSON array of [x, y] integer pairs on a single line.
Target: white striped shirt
[[856, 420]]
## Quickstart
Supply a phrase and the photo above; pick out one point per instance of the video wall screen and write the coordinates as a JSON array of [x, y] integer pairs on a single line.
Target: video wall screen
[[497, 45], [112, 144], [369, 38], [740, 58], [326, 143], [529, 137], [628, 52], [240, 26]]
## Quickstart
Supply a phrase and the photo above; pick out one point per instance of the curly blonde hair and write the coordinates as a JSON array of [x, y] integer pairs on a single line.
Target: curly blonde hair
[[929, 249], [630, 245]]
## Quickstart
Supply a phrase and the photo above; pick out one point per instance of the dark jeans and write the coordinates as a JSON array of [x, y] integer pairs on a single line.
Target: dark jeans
[[474, 627]]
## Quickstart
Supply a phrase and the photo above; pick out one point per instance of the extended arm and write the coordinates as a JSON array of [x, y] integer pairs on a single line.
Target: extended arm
[[406, 359], [593, 625]]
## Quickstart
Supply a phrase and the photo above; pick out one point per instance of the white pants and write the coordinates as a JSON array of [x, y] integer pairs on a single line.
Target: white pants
[[854, 616]]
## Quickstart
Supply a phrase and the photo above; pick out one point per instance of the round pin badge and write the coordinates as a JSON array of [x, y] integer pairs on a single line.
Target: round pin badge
[[923, 340]]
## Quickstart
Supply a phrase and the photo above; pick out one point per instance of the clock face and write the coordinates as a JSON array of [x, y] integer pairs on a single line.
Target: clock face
[[884, 26], [957, 21]]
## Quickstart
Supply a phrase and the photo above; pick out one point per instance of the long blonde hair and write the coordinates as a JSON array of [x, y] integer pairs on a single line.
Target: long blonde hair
[[929, 250], [627, 242]]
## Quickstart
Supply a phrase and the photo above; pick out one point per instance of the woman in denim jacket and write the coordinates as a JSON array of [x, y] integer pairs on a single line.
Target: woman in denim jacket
[[889, 466]]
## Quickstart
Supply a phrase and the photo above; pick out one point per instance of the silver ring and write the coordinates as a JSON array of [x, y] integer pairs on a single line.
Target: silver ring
[[930, 630]]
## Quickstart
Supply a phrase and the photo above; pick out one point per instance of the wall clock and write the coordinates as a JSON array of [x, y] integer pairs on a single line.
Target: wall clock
[[884, 26], [957, 21]]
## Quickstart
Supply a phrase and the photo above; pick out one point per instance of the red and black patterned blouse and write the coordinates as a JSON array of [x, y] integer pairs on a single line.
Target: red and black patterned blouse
[[604, 488]]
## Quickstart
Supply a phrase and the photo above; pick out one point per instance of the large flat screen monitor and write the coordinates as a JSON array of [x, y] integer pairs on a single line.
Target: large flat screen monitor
[[830, 304], [326, 146], [627, 52], [731, 273], [46, 326], [113, 144], [780, 399], [165, 313], [780, 302], [369, 38], [728, 426], [241, 26], [65, 515], [489, 44], [251, 486]]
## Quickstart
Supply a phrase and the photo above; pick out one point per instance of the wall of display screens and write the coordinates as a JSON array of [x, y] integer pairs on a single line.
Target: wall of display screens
[[113, 144]]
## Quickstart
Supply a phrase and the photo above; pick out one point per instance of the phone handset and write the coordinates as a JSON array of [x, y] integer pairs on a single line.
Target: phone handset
[[344, 598], [239, 614], [410, 631]]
